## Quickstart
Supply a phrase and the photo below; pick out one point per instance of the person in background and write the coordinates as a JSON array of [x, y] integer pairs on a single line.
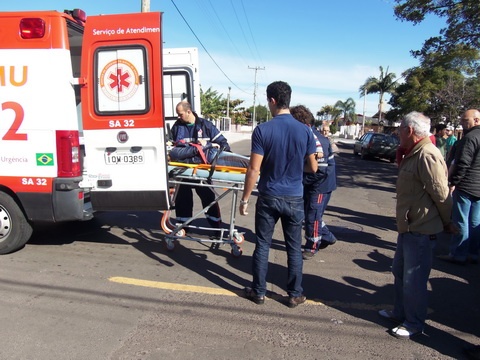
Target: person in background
[[191, 130], [440, 139], [451, 138], [464, 178], [449, 145], [282, 149], [317, 188], [326, 132], [423, 210]]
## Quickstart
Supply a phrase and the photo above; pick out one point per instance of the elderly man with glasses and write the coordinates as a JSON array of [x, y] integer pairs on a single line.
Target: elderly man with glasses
[[423, 210]]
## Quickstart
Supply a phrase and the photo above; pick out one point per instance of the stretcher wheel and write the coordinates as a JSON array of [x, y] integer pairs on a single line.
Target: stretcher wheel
[[236, 251], [181, 233], [238, 238], [170, 244]]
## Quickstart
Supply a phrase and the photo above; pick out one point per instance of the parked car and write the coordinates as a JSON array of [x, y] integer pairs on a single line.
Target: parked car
[[378, 145]]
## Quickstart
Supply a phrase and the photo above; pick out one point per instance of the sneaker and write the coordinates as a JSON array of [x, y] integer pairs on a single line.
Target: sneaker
[[325, 243], [250, 294], [307, 255], [401, 332], [388, 314], [294, 301]]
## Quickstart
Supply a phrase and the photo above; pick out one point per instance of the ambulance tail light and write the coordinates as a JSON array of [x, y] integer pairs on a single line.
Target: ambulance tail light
[[68, 154], [32, 28]]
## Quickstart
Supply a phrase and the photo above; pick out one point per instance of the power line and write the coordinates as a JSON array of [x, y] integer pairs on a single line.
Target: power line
[[204, 48], [250, 30]]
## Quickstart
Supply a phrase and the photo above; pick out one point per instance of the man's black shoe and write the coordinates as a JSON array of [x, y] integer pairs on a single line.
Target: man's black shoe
[[324, 243], [294, 301], [472, 352], [307, 255], [452, 260], [251, 295]]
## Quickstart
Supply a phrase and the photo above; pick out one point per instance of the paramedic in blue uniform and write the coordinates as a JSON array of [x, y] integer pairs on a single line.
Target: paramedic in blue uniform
[[317, 188], [191, 129], [280, 151]]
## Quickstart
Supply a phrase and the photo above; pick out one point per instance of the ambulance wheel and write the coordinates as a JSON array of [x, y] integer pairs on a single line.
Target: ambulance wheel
[[236, 251], [15, 230], [238, 238]]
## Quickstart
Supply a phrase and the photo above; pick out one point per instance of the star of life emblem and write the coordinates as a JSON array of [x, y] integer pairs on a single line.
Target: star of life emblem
[[119, 80]]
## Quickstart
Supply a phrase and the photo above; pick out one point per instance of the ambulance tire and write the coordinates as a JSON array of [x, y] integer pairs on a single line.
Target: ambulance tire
[[15, 230]]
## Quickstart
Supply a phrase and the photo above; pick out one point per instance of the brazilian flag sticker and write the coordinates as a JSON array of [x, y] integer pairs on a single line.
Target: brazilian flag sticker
[[44, 159]]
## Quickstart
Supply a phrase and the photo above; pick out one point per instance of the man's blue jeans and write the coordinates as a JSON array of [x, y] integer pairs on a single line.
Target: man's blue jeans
[[411, 268], [466, 214], [267, 212]]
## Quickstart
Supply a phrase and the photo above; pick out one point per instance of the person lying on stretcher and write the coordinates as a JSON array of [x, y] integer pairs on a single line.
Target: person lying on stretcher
[[204, 153]]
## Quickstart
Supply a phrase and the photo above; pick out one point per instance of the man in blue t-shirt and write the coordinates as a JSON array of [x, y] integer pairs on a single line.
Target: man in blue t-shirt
[[282, 149]]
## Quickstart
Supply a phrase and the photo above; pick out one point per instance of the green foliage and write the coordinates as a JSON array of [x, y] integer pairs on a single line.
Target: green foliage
[[347, 108], [437, 92], [333, 128], [211, 104], [461, 17], [448, 79], [214, 106], [384, 84], [262, 113]]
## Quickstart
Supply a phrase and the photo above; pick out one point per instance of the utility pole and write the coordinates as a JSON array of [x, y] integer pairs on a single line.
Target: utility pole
[[145, 6], [364, 104], [256, 68], [228, 102]]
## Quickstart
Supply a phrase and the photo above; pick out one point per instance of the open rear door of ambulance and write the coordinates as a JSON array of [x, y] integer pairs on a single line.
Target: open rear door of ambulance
[[122, 111]]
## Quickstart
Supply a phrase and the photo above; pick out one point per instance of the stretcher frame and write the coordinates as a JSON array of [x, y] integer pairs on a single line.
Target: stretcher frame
[[228, 178]]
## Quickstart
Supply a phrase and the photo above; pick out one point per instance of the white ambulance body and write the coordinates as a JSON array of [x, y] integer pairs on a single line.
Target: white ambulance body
[[181, 81], [81, 118]]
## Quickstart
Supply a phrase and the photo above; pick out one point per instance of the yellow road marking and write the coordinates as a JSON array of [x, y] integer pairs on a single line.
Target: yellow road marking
[[171, 286], [191, 288]]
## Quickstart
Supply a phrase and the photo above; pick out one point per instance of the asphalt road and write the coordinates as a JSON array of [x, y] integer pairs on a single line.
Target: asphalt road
[[109, 289]]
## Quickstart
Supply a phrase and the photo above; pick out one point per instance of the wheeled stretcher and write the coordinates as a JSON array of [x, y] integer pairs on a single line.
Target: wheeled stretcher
[[228, 179]]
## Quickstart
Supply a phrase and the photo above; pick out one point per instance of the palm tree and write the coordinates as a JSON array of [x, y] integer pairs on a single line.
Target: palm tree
[[346, 107], [386, 83]]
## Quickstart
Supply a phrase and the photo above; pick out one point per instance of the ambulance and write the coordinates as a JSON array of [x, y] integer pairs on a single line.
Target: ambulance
[[82, 118]]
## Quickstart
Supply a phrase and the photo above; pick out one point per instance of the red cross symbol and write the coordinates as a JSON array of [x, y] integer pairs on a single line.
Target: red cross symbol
[[119, 80]]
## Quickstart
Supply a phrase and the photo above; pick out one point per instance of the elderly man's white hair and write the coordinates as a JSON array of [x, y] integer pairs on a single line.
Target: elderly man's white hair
[[418, 122]]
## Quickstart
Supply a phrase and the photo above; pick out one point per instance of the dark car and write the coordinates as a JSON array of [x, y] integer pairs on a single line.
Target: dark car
[[378, 145]]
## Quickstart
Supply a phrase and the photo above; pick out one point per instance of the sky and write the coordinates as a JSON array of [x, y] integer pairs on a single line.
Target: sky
[[325, 49]]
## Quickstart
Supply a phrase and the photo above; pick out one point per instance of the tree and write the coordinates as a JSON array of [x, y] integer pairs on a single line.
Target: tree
[[328, 112], [438, 92], [461, 16], [211, 104], [346, 107], [261, 113], [384, 84], [447, 80]]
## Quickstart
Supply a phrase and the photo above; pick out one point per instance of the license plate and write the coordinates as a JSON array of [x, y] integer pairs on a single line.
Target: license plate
[[124, 158]]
